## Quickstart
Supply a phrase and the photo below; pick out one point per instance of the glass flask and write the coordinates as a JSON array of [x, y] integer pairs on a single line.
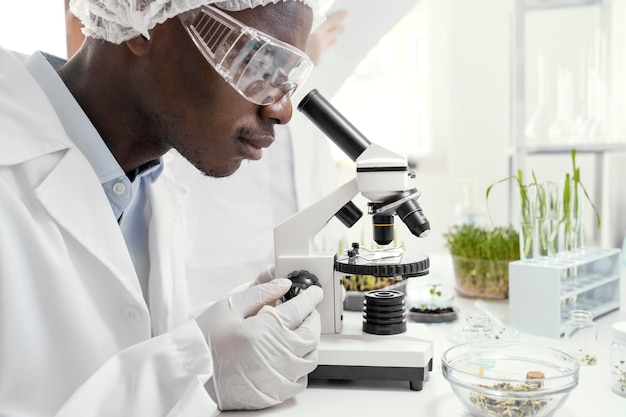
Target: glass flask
[[538, 121], [618, 359], [593, 123], [581, 335], [562, 129]]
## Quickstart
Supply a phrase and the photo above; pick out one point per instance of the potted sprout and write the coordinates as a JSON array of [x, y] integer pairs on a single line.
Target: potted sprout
[[432, 303], [481, 257]]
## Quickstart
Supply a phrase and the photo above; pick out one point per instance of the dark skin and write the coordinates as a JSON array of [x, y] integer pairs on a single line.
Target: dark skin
[[146, 96]]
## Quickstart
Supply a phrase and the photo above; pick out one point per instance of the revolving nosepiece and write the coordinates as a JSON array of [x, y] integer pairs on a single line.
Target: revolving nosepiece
[[406, 207]]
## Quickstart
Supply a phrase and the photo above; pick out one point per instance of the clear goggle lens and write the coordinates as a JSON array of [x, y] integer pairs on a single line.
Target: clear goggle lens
[[259, 67]]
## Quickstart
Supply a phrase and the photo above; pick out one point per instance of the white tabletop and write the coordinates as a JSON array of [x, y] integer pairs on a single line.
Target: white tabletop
[[592, 396]]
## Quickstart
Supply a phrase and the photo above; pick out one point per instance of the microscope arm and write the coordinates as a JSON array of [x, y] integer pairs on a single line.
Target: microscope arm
[[294, 252], [294, 236]]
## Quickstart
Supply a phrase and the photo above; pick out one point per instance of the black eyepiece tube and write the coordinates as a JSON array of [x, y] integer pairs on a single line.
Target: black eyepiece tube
[[333, 124]]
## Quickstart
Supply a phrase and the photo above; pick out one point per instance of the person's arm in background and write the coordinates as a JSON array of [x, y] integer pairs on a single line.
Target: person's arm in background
[[74, 35], [326, 35]]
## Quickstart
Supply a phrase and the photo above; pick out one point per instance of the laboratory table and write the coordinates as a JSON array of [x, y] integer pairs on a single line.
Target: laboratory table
[[592, 397]]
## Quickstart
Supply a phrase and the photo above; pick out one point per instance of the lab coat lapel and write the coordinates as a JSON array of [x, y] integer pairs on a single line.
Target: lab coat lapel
[[67, 186], [72, 194], [169, 303]]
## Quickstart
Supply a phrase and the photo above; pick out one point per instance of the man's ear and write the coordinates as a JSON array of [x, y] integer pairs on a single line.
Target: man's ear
[[139, 45]]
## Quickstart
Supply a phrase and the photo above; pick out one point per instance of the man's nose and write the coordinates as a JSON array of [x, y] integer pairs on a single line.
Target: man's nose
[[280, 110]]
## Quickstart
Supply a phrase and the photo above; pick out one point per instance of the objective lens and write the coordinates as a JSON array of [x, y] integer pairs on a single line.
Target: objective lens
[[383, 229], [411, 214]]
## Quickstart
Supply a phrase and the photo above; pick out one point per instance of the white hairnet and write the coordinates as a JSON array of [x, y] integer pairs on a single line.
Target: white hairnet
[[117, 21]]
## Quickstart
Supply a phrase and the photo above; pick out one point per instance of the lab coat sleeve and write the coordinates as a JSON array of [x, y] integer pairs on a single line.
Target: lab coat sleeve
[[162, 376]]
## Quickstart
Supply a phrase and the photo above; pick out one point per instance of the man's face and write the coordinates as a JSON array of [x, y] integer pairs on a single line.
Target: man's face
[[192, 109]]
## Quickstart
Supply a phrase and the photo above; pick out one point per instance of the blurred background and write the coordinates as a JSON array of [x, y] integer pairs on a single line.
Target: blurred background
[[468, 89]]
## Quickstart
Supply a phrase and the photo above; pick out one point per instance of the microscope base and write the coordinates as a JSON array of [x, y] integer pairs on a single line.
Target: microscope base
[[356, 355], [415, 376]]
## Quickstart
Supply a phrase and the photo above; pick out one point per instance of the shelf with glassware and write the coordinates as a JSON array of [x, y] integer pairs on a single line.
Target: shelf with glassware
[[573, 105], [555, 4], [581, 148], [542, 292], [570, 83]]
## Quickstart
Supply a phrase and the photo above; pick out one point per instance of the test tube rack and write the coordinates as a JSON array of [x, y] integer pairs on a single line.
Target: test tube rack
[[542, 292]]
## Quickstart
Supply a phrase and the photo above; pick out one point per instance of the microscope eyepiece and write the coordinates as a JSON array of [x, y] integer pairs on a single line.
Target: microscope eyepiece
[[333, 124]]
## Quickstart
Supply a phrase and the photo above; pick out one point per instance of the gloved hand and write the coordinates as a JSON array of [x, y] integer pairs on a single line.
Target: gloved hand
[[262, 353], [264, 276]]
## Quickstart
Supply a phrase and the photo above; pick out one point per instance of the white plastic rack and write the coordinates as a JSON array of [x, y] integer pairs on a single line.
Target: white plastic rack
[[543, 292]]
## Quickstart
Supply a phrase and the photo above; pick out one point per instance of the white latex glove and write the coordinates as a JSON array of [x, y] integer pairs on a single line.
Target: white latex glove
[[262, 354], [264, 277]]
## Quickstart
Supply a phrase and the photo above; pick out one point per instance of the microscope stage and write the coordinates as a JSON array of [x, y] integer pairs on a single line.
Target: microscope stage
[[354, 354]]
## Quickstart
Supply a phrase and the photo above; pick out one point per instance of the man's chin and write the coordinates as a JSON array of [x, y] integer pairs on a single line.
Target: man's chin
[[221, 173]]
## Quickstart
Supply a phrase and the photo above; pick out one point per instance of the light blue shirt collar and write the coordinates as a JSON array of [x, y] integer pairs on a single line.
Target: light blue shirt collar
[[81, 131]]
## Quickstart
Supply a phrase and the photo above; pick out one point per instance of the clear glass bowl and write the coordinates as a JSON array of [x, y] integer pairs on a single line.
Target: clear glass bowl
[[497, 378]]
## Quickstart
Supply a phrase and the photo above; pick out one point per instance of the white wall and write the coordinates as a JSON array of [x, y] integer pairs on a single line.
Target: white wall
[[470, 97], [479, 94], [565, 36], [472, 101], [27, 26]]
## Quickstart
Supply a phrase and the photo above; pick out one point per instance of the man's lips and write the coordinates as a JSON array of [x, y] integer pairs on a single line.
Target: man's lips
[[253, 147]]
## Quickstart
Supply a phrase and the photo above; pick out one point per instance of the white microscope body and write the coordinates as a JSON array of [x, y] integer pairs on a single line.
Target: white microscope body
[[293, 238], [383, 178]]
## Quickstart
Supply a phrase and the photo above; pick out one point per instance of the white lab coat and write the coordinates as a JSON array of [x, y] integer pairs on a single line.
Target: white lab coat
[[76, 336]]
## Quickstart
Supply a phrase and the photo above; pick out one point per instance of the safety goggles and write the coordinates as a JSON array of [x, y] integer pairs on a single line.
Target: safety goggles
[[259, 67]]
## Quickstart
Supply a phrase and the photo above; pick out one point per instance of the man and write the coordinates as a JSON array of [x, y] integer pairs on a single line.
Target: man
[[94, 318], [251, 202]]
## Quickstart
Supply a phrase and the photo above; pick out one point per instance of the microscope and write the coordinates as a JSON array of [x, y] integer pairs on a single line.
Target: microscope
[[347, 351]]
